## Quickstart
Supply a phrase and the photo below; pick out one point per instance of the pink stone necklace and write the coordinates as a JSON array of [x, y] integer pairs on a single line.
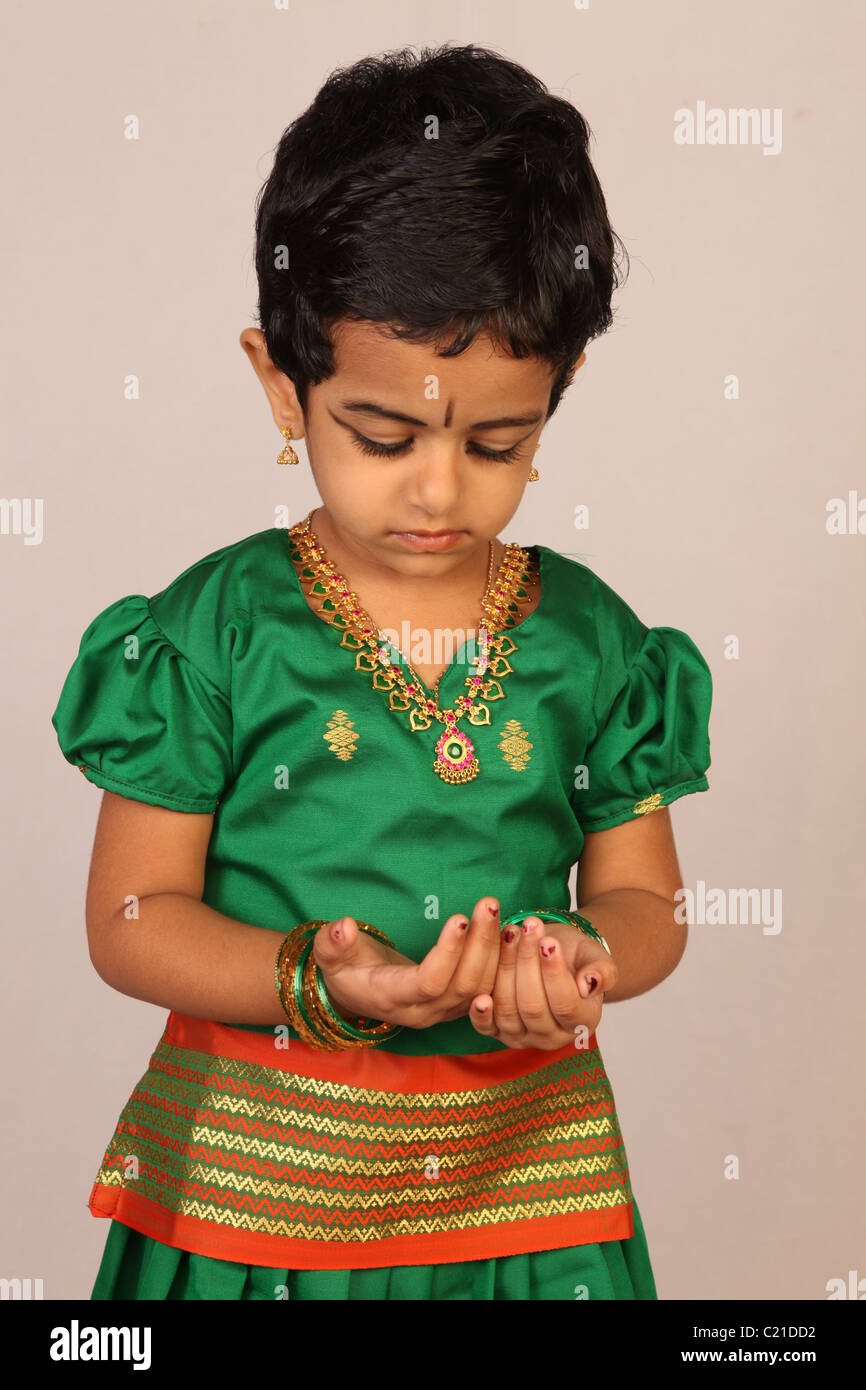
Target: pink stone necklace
[[455, 753]]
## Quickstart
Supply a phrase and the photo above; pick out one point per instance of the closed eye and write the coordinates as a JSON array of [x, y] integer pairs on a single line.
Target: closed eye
[[368, 446]]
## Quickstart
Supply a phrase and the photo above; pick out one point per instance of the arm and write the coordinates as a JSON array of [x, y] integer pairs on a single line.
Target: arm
[[626, 881], [178, 953], [183, 955]]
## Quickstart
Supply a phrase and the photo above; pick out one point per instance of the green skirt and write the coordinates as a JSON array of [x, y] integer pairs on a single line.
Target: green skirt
[[135, 1266]]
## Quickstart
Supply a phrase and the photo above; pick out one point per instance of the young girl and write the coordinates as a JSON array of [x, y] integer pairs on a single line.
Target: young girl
[[336, 849]]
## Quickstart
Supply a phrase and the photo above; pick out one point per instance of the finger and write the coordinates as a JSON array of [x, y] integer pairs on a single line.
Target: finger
[[563, 998], [532, 1003], [336, 943], [590, 961], [341, 946], [337, 950], [436, 971], [481, 1016], [505, 1011], [477, 970], [595, 978]]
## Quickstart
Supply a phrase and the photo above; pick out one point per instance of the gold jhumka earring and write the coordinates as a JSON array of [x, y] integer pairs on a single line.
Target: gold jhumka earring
[[288, 455]]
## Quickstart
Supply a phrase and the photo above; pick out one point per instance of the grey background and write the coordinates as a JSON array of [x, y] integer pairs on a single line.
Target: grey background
[[706, 514]]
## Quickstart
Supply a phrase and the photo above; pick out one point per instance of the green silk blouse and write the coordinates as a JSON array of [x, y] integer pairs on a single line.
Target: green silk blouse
[[226, 694]]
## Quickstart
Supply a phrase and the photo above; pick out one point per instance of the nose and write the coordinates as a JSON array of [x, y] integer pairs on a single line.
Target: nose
[[436, 483]]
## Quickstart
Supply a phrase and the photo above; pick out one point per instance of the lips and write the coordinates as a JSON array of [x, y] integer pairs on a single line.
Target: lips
[[426, 540]]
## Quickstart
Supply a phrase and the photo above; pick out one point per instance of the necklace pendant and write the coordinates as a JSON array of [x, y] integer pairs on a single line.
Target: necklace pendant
[[455, 760]]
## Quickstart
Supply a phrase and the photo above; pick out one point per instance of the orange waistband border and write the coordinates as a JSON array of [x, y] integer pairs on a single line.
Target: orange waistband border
[[260, 1149]]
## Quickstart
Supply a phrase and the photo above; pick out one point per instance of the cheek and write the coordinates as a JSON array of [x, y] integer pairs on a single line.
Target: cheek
[[350, 485]]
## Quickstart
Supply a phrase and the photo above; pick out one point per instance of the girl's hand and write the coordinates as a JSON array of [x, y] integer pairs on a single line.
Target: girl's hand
[[551, 978], [365, 977]]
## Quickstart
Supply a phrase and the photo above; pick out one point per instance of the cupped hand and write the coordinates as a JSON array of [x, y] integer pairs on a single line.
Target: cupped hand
[[551, 980], [363, 976]]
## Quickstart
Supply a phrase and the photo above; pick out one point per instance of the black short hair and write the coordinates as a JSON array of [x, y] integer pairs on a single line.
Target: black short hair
[[365, 216]]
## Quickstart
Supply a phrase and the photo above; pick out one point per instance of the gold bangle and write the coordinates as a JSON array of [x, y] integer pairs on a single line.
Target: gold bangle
[[289, 946], [290, 950]]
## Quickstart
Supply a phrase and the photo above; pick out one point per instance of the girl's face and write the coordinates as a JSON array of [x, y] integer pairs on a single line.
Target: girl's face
[[400, 440]]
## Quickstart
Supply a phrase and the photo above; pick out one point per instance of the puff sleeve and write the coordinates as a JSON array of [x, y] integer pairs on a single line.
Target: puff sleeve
[[652, 743], [139, 718]]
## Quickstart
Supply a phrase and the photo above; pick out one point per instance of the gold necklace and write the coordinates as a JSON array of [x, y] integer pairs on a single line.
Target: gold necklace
[[455, 753]]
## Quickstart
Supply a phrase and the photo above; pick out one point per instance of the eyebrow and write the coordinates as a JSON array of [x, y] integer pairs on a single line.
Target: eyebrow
[[370, 408]]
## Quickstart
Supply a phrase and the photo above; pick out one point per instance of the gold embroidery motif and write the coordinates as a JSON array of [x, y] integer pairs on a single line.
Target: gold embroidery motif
[[515, 745], [341, 736], [651, 803]]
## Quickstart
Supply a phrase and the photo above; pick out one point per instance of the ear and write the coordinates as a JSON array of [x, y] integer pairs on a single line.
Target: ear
[[278, 388], [579, 363]]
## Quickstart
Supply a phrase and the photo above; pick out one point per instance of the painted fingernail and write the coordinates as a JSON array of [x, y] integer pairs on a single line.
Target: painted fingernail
[[548, 950], [528, 927], [336, 933], [494, 911], [463, 924], [510, 934]]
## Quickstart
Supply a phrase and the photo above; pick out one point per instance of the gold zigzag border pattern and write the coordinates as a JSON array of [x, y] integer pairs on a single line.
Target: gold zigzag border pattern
[[265, 1150]]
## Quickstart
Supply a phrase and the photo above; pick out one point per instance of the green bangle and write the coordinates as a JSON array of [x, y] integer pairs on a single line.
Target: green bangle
[[565, 915], [298, 988]]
